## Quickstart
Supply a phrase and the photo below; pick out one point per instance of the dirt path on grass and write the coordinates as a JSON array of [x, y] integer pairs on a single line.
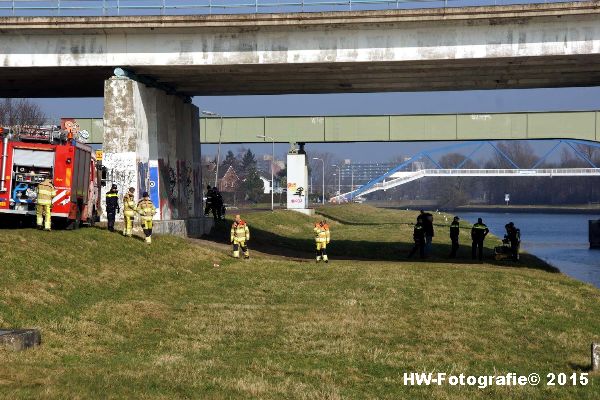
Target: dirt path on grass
[[262, 250]]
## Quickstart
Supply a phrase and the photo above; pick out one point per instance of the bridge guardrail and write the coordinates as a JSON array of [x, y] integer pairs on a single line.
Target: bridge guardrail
[[194, 7]]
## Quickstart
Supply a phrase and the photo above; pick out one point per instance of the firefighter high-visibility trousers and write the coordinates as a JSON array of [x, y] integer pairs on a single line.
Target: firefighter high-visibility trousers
[[42, 213], [128, 223], [237, 244], [321, 251], [147, 227]]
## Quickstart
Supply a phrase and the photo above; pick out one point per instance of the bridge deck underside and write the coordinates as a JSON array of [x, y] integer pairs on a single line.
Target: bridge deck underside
[[326, 77]]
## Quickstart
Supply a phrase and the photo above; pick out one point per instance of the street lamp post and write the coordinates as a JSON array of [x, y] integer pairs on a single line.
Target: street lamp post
[[352, 183], [213, 114], [339, 179], [272, 161], [323, 175]]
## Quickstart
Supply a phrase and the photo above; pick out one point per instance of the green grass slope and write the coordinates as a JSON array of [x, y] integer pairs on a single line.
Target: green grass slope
[[361, 232], [120, 319]]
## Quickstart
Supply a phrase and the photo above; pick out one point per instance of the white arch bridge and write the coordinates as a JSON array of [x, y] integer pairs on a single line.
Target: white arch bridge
[[398, 176]]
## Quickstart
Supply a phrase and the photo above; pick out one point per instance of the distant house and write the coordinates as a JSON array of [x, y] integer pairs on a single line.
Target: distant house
[[267, 185], [230, 182]]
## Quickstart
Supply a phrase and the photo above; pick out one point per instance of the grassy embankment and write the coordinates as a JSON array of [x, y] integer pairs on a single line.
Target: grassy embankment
[[362, 232], [120, 319]]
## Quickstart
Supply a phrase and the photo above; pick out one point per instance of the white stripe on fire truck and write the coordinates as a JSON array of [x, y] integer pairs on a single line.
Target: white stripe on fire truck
[[59, 196]]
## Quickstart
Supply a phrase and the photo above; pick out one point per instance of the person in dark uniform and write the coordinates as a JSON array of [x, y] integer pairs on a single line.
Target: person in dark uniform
[[419, 238], [112, 206], [513, 234], [217, 204], [427, 221], [209, 201], [454, 233], [478, 234]]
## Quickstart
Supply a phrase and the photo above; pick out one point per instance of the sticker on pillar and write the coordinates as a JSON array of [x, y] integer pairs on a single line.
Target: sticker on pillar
[[153, 183]]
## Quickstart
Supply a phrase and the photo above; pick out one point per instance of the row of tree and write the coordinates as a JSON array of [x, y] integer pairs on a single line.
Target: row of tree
[[20, 112], [249, 187]]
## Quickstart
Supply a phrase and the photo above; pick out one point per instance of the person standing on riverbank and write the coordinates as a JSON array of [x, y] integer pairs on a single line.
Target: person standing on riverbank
[[478, 234], [454, 233], [427, 221], [419, 238], [513, 234]]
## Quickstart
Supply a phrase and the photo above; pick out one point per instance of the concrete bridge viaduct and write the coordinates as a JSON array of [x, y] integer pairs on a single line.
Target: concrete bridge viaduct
[[163, 60]]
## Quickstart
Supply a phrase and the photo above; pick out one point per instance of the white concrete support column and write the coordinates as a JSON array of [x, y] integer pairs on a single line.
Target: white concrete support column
[[152, 143], [297, 182]]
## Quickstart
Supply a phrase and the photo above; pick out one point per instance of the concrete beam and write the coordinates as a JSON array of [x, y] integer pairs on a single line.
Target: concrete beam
[[583, 125], [520, 46]]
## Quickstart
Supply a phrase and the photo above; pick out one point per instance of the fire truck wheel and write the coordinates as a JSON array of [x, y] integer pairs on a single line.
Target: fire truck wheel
[[92, 221], [77, 222]]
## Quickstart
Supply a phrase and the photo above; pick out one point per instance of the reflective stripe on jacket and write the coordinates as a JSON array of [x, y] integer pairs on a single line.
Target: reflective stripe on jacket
[[45, 192], [128, 205], [322, 234], [112, 201], [479, 231], [146, 209], [240, 231]]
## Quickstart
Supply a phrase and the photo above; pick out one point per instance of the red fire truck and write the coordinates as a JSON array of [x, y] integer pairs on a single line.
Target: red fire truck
[[28, 155]]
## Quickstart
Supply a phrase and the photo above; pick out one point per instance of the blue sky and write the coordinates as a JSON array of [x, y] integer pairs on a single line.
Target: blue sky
[[564, 99]]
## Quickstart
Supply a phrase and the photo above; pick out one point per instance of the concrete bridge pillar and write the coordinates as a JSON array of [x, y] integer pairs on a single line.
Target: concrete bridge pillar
[[152, 143], [297, 180]]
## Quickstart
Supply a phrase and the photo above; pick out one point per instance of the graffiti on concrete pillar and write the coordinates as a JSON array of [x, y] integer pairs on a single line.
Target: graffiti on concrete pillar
[[142, 177], [177, 188], [168, 190], [121, 171], [173, 187], [186, 183]]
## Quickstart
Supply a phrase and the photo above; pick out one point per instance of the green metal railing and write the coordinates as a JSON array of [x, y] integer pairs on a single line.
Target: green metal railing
[[193, 7]]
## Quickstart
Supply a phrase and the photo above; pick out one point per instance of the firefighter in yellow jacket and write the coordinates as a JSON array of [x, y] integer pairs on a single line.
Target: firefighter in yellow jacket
[[146, 209], [322, 238], [43, 209], [128, 212], [240, 235]]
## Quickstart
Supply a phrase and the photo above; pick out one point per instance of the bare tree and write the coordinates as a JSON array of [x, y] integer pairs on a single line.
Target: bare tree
[[20, 112], [456, 191]]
